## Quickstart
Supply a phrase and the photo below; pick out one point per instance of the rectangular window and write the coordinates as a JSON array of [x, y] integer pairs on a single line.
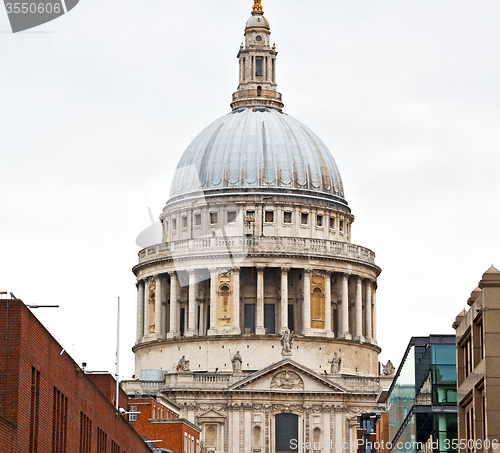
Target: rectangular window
[[287, 217], [132, 417], [184, 221], [174, 224], [269, 216], [197, 219], [231, 216], [341, 225], [102, 441], [35, 410], [185, 442], [304, 218], [250, 217], [332, 223], [115, 448], [258, 66], [85, 433], [59, 422], [468, 357], [319, 220], [213, 218], [154, 412]]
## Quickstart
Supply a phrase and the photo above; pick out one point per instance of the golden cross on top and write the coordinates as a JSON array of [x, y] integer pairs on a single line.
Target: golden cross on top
[[257, 6]]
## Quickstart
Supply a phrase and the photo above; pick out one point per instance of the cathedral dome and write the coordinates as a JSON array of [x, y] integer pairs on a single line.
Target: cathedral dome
[[258, 150]]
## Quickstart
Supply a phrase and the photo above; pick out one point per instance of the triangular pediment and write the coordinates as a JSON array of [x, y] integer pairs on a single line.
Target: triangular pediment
[[211, 415], [287, 376]]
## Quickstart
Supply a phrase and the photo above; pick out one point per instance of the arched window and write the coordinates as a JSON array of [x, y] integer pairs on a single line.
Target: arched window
[[259, 90]]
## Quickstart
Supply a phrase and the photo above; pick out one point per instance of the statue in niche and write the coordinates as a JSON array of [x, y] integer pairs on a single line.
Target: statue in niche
[[335, 364], [286, 342], [389, 369], [237, 362], [183, 364]]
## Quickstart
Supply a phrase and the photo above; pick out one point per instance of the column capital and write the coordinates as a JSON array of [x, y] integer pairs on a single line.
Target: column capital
[[172, 273], [236, 270], [308, 270], [260, 269], [359, 279], [213, 272], [285, 270], [346, 274], [191, 272], [329, 272]]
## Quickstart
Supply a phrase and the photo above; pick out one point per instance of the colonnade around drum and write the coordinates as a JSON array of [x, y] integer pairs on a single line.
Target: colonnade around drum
[[322, 303]]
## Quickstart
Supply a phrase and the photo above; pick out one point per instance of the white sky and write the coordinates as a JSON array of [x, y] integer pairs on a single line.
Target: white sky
[[105, 99]]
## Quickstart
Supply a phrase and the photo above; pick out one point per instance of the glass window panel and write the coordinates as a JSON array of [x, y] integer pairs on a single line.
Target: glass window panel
[[444, 354]]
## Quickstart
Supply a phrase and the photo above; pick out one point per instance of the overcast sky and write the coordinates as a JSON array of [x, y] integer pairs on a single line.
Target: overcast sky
[[101, 103]]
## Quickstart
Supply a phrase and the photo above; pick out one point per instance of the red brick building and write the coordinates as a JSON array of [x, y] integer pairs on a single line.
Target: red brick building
[[158, 419], [47, 403]]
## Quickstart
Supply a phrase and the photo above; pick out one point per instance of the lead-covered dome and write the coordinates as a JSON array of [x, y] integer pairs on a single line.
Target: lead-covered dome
[[258, 150]]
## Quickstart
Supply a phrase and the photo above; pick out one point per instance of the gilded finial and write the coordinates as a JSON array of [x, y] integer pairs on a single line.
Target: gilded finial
[[257, 6]]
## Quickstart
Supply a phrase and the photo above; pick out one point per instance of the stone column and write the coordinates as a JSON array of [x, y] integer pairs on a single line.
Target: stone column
[[213, 302], [146, 307], [236, 301], [306, 309], [158, 305], [174, 313], [192, 304], [359, 310], [202, 319], [345, 307], [368, 311], [328, 304], [259, 328], [374, 337], [140, 310], [284, 298]]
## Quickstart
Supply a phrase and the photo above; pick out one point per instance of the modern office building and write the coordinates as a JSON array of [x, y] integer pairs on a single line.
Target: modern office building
[[478, 366], [257, 309], [422, 401]]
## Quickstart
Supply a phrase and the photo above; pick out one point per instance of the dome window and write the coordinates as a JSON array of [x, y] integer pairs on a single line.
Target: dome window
[[304, 218], [213, 218], [332, 223], [287, 217], [269, 216], [184, 221], [174, 224], [319, 220], [341, 225], [197, 219], [231, 216]]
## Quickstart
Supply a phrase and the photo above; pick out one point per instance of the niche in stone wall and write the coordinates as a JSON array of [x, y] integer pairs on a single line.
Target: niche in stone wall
[[211, 436], [256, 437], [224, 300], [317, 303], [151, 306]]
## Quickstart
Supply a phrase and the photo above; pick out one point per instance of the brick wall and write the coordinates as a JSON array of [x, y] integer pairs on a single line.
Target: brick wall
[[170, 430], [46, 389]]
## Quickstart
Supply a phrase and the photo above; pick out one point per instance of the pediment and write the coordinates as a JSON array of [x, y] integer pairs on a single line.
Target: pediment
[[211, 416], [287, 376]]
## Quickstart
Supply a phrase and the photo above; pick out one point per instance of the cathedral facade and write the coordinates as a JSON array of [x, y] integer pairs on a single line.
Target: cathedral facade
[[257, 314]]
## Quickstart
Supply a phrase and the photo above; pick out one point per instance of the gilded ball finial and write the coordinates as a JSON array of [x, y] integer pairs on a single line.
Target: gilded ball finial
[[257, 6]]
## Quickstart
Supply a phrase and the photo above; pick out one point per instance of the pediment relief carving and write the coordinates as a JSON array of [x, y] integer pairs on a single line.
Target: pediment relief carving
[[287, 380]]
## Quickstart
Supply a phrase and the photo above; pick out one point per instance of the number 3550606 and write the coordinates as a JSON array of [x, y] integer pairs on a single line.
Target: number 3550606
[[33, 8]]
